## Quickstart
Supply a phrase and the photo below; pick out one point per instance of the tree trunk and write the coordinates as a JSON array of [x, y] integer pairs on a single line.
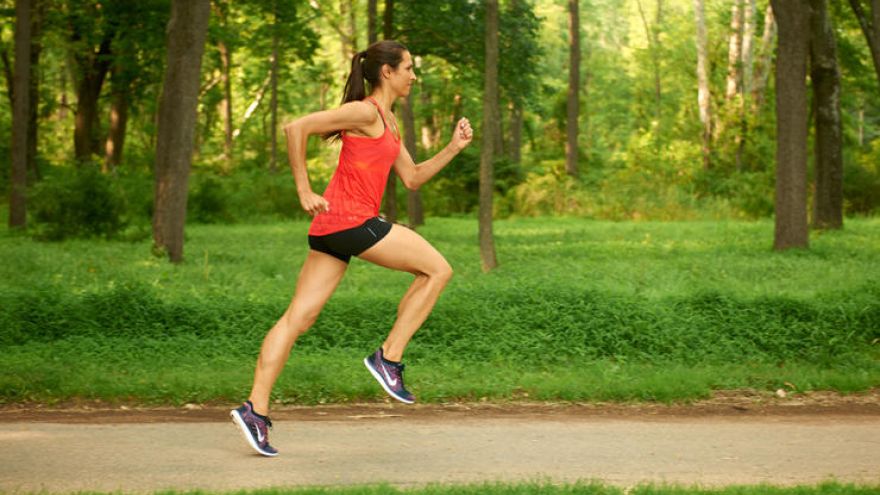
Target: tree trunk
[[490, 132], [20, 113], [93, 70], [372, 31], [793, 18], [38, 14], [273, 104], [574, 85], [825, 76], [748, 46], [391, 186], [226, 102], [745, 78], [704, 95], [734, 50], [187, 30], [414, 199], [7, 73], [653, 35], [118, 122], [514, 147], [765, 59], [870, 24], [388, 20]]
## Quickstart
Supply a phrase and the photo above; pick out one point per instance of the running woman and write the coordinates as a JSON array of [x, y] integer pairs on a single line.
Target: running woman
[[346, 223]]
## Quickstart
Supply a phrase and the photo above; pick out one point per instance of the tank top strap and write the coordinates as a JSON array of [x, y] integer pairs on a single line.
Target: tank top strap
[[378, 107]]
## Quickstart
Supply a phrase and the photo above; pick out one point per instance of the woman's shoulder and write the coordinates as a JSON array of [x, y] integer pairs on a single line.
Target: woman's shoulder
[[360, 111]]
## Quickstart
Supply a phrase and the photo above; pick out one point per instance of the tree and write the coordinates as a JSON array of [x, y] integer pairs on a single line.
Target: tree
[[391, 185], [91, 36], [763, 60], [574, 84], [490, 132], [734, 50], [793, 18], [20, 112], [870, 25], [825, 77], [187, 31], [372, 32], [704, 95]]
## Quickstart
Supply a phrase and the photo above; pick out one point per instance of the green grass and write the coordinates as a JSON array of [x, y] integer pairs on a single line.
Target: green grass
[[578, 310], [594, 488]]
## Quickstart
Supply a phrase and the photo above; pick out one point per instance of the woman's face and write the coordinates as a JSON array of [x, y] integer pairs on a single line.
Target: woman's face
[[401, 79]]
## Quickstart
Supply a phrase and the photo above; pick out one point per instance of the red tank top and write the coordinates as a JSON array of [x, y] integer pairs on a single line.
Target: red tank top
[[356, 188]]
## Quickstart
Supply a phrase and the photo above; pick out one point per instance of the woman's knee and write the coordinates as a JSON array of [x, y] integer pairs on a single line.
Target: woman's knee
[[441, 271], [298, 320]]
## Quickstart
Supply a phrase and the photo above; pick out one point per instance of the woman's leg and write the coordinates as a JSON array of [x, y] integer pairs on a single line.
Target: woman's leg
[[318, 279], [404, 250]]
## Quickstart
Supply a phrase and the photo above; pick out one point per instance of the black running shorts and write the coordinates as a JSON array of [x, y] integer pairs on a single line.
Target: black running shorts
[[351, 242]]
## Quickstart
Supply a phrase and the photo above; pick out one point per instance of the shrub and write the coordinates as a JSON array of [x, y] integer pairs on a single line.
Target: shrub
[[77, 203]]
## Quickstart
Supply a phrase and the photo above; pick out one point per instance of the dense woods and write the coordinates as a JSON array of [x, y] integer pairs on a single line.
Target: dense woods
[[629, 110]]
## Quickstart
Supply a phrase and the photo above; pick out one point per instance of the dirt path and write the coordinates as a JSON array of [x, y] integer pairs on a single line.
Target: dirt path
[[716, 444]]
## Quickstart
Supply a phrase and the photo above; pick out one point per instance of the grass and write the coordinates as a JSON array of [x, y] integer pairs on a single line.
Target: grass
[[582, 488], [578, 310]]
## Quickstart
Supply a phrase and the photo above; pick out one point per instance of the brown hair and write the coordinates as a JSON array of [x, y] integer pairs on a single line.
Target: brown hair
[[366, 65]]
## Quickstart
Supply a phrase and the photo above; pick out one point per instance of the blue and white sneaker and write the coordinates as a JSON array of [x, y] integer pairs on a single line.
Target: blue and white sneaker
[[254, 428], [389, 375]]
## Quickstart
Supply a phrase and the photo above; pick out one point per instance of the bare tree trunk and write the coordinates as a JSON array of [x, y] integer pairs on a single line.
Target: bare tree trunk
[[574, 85], [765, 59], [92, 69], [793, 17], [748, 46], [388, 20], [20, 113], [870, 24], [825, 76], [273, 104], [745, 78], [118, 122], [514, 147], [391, 186], [653, 35], [38, 14], [734, 50], [372, 30], [7, 73], [187, 30], [490, 131], [414, 199], [226, 102], [704, 95]]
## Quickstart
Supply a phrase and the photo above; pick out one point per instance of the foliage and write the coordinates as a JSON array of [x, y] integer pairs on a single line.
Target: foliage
[[85, 205], [617, 310]]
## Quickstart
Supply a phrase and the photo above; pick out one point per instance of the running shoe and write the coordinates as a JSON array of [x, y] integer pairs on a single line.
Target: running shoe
[[389, 375], [254, 428]]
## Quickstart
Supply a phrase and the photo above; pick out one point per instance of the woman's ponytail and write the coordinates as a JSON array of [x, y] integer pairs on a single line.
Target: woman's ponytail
[[354, 86], [365, 68]]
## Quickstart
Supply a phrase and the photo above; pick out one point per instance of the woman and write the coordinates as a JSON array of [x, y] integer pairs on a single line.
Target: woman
[[346, 224]]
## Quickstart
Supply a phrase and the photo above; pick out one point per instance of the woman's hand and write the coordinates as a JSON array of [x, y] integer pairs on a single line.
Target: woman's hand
[[313, 203], [463, 134]]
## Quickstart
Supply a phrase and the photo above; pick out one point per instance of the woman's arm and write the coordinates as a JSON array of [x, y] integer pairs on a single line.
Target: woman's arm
[[352, 115], [413, 176]]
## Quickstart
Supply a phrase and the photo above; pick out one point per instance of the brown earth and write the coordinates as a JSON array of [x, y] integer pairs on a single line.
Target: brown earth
[[732, 438]]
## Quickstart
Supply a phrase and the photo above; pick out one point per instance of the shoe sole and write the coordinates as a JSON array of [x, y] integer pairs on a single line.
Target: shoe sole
[[379, 379], [239, 421]]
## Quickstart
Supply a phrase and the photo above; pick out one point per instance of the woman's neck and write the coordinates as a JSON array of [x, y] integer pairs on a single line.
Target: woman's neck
[[384, 98]]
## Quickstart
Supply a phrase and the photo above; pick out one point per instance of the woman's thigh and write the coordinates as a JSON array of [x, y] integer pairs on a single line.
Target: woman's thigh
[[403, 249], [320, 275]]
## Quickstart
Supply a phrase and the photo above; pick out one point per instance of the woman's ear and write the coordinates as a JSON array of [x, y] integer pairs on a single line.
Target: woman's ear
[[386, 71]]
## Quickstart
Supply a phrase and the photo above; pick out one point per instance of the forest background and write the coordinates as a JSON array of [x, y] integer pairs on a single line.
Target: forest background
[[639, 133]]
